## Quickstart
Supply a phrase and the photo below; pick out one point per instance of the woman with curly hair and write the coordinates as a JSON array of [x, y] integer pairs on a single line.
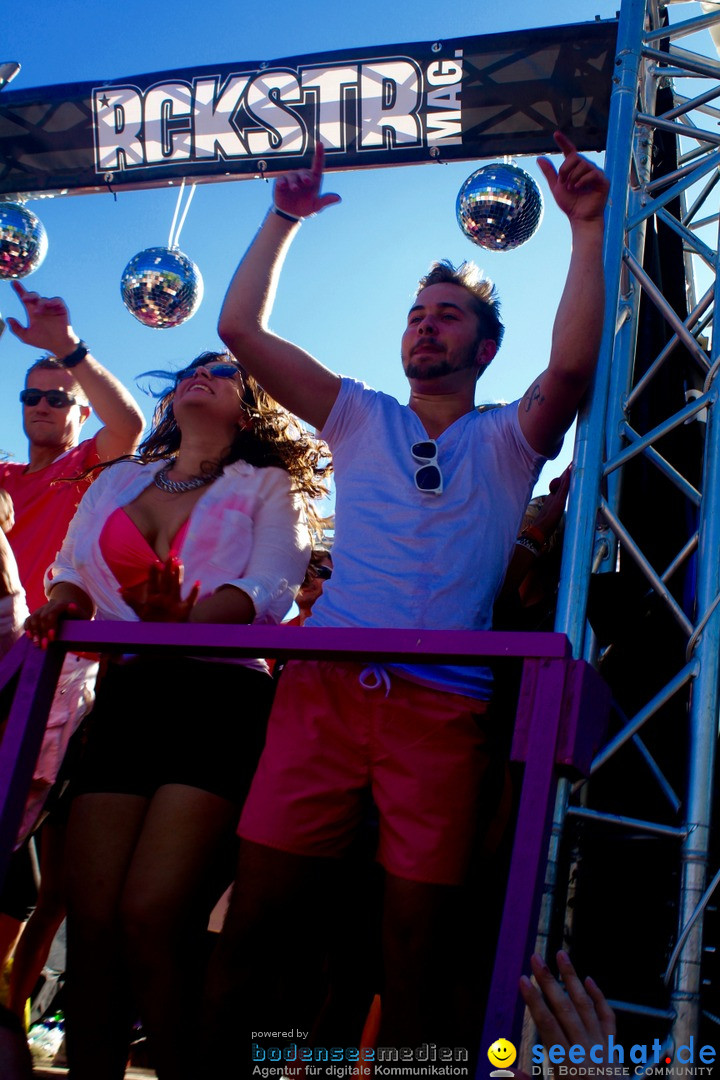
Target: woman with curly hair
[[206, 523]]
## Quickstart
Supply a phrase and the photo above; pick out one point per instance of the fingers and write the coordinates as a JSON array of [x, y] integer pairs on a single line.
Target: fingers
[[17, 329], [43, 624], [296, 181], [560, 485], [548, 1028], [298, 192], [577, 993], [571, 1011], [328, 200], [578, 174], [605, 1014], [548, 170], [564, 144], [24, 295], [318, 162]]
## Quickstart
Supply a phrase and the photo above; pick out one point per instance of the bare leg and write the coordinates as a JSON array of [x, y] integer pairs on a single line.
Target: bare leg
[[15, 1061], [17, 897], [102, 834], [10, 930], [165, 909], [265, 966], [32, 949], [421, 946], [354, 962]]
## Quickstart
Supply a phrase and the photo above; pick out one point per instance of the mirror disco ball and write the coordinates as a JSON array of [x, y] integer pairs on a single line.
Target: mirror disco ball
[[499, 207], [23, 241], [161, 287]]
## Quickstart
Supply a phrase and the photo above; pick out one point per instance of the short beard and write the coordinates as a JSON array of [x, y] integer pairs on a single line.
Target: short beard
[[428, 371], [423, 372]]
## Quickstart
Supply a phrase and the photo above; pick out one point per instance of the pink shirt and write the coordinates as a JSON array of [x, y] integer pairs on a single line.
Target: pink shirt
[[45, 504]]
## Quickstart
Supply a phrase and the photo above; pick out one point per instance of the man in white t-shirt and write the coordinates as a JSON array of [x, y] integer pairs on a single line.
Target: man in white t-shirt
[[429, 500]]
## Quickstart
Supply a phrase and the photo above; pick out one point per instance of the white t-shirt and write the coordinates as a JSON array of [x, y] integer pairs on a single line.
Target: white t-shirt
[[412, 559]]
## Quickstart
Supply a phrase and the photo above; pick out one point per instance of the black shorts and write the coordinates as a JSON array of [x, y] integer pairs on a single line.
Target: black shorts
[[172, 720]]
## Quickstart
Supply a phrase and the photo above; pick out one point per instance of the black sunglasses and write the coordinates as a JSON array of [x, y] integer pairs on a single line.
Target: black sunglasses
[[324, 572], [56, 399]]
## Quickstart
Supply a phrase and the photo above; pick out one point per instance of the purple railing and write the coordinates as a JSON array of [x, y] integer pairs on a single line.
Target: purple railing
[[562, 713]]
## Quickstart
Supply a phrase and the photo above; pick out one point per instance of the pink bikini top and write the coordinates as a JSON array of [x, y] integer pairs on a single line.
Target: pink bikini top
[[127, 552]]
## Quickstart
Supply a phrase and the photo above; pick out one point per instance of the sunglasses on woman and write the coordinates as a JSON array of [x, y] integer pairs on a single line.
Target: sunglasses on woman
[[219, 369], [56, 399]]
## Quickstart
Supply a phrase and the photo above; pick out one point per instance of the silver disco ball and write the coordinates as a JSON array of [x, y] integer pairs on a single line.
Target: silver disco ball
[[161, 287], [499, 207], [23, 240]]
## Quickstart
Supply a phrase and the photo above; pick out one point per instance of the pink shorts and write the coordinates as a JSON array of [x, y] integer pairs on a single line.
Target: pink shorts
[[421, 752]]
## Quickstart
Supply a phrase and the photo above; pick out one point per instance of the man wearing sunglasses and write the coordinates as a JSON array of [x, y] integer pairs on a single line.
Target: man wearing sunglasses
[[60, 392], [430, 497]]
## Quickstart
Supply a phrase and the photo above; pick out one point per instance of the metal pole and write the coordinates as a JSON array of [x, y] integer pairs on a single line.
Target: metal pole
[[703, 723], [590, 439]]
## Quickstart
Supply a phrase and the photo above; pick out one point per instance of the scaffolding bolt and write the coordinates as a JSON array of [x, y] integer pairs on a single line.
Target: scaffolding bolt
[[436, 46]]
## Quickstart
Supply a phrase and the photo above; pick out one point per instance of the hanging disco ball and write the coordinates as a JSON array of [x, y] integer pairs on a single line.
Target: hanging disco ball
[[499, 207], [161, 287], [23, 240]]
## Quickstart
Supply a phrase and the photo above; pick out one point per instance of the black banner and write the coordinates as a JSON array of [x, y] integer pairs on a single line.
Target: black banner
[[394, 105]]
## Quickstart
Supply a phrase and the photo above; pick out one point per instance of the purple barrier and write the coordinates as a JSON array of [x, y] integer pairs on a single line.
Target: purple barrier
[[562, 710]]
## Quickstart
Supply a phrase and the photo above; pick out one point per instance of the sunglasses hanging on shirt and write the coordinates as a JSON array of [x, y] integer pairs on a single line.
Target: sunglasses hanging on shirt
[[428, 477]]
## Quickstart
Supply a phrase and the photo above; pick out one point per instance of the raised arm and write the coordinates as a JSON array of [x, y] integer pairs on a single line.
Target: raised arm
[[551, 402], [49, 329], [288, 373]]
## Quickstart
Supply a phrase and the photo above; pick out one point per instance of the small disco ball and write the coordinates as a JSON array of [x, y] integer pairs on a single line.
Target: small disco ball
[[23, 241], [161, 287], [499, 207]]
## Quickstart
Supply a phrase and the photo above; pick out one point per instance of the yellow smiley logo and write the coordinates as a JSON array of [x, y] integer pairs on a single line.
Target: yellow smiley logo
[[502, 1053]]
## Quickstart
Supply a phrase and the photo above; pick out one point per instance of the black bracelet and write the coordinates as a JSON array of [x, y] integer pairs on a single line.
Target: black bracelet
[[286, 217], [73, 359], [530, 545]]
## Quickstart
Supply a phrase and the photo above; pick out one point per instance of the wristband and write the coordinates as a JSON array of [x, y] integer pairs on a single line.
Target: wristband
[[531, 532], [528, 544], [73, 359], [286, 217]]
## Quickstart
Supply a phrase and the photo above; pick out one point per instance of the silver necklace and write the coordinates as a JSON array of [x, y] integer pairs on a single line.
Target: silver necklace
[[176, 487]]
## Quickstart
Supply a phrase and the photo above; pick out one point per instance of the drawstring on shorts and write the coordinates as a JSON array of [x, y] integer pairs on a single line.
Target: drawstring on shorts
[[373, 677]]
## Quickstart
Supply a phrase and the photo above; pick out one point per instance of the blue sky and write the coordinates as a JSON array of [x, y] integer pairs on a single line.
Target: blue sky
[[349, 278]]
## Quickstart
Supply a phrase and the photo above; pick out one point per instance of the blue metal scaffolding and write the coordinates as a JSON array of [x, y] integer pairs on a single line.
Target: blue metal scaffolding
[[647, 451]]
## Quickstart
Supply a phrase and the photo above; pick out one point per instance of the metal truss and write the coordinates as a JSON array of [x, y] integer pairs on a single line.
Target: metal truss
[[642, 544]]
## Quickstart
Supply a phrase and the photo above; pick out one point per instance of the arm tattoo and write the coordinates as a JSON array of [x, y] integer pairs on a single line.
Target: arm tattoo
[[534, 396]]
